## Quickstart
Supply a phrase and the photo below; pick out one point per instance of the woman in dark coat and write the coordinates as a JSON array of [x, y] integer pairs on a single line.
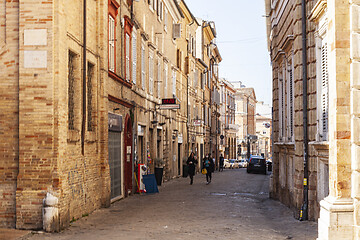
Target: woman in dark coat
[[191, 162]]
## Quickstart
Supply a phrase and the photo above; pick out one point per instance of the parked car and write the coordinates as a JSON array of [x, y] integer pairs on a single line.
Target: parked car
[[235, 163], [256, 164], [243, 163], [227, 163]]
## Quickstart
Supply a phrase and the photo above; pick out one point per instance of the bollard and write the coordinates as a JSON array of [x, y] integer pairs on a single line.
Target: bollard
[[50, 213]]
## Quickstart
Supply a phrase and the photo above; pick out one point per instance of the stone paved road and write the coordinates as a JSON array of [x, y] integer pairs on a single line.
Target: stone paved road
[[234, 206]]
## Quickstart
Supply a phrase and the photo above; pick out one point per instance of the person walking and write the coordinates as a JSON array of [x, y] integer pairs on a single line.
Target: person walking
[[191, 162], [209, 165], [221, 163]]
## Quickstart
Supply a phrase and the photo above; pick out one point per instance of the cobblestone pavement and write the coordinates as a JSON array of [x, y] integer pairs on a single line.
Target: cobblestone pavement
[[234, 206]]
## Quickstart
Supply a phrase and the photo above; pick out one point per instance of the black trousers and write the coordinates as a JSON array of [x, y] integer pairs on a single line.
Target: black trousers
[[208, 174]]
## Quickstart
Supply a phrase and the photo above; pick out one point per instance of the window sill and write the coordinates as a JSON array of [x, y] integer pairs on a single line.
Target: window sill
[[119, 79], [320, 145], [285, 144], [91, 136], [73, 136]]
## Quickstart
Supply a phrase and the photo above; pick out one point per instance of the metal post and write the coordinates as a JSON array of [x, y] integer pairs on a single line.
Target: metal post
[[304, 208]]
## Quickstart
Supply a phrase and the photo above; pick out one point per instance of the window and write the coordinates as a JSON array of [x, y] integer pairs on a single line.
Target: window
[[196, 72], [90, 96], [127, 57], [134, 57], [143, 66], [165, 79], [111, 44], [72, 89], [113, 10], [151, 72], [128, 46]]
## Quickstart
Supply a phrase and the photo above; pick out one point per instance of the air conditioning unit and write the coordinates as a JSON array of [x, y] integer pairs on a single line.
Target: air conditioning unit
[[176, 30]]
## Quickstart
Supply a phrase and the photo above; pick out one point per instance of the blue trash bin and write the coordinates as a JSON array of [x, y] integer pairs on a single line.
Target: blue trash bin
[[150, 183]]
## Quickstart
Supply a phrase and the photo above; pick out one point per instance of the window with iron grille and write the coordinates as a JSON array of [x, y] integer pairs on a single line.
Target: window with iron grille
[[71, 90], [90, 96]]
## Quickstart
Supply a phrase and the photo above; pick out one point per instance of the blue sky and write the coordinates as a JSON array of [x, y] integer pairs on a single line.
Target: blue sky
[[241, 38]]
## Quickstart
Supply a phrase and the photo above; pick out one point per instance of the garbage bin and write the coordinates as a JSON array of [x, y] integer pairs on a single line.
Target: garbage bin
[[185, 171], [159, 175]]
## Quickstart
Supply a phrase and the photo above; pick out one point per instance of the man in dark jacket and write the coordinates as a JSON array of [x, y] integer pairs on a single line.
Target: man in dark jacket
[[221, 163], [191, 162]]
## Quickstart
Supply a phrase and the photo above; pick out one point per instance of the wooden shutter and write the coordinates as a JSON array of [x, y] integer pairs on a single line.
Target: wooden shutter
[[111, 43], [127, 56], [165, 79], [324, 91], [158, 77], [151, 73], [134, 57], [143, 67]]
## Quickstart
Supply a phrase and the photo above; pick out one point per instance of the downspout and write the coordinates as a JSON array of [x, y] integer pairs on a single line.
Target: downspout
[[84, 83], [304, 208]]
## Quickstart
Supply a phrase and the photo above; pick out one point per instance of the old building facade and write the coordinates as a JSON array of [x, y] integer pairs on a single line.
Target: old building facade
[[228, 128], [245, 102], [92, 89]]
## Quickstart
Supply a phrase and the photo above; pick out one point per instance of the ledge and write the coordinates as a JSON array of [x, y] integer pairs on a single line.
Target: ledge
[[119, 79], [323, 145]]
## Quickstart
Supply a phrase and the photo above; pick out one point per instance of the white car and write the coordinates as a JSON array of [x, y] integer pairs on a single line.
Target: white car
[[235, 163], [227, 163], [243, 163]]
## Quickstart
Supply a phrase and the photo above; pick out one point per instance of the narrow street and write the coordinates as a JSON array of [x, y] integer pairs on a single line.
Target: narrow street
[[234, 206]]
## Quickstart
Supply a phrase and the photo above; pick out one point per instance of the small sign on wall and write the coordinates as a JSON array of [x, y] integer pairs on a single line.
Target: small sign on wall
[[35, 59], [35, 37]]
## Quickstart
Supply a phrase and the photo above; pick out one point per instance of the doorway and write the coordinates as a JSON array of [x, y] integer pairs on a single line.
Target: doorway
[[128, 154]]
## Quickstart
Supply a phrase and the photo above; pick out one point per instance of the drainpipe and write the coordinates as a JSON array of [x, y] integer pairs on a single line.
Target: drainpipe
[[83, 124], [304, 208]]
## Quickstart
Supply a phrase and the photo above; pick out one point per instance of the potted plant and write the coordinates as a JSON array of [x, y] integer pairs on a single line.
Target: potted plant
[[159, 169]]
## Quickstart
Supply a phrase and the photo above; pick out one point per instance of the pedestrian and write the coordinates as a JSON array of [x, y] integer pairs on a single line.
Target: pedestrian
[[221, 163], [209, 165], [191, 162]]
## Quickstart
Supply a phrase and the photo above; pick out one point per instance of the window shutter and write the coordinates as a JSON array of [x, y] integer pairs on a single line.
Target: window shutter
[[143, 67], [174, 82], [324, 91], [134, 57], [111, 43], [151, 73], [291, 104], [127, 57], [176, 30], [159, 78], [165, 79]]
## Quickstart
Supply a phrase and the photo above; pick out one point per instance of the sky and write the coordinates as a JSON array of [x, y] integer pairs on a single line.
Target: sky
[[241, 39]]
